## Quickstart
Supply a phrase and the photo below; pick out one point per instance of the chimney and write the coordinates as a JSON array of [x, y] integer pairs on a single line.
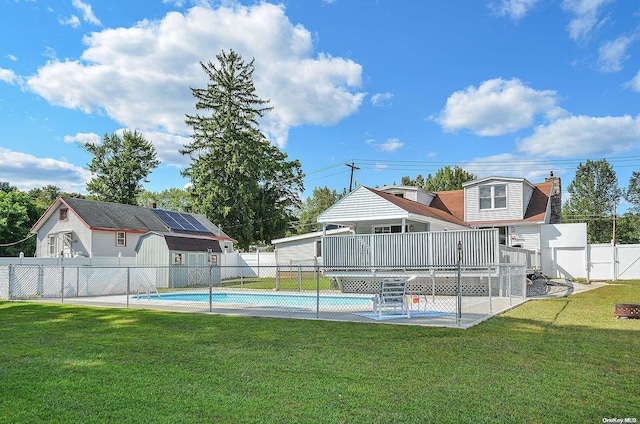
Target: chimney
[[152, 205], [556, 199]]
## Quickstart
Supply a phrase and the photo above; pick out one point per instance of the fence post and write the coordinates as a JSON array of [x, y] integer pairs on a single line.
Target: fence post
[[317, 271], [62, 277], [210, 282], [41, 280], [489, 283], [129, 284], [459, 285], [10, 288], [299, 277]]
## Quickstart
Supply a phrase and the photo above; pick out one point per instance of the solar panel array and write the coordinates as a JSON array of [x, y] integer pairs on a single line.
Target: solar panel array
[[180, 221]]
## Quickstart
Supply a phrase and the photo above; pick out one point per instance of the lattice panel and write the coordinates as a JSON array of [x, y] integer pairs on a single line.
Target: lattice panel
[[443, 286]]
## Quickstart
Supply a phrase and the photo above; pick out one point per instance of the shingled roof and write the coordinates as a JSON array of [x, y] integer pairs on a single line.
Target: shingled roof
[[114, 216], [418, 208]]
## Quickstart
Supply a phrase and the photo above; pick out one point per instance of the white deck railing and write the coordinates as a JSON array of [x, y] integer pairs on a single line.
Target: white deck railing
[[410, 250]]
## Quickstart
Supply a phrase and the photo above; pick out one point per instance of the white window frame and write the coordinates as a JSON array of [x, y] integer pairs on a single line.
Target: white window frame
[[52, 245], [492, 198], [387, 228], [121, 241]]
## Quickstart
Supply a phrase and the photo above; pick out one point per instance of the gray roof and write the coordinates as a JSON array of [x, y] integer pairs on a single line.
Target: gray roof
[[115, 216]]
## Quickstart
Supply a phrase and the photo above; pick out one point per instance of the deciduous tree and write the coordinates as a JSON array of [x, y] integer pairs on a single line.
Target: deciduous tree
[[593, 194], [321, 200], [120, 165], [18, 213], [445, 179]]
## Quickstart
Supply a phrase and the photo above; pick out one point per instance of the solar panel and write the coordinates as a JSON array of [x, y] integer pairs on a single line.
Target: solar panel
[[194, 221], [180, 221]]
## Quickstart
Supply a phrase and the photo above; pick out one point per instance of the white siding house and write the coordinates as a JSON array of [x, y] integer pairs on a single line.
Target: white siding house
[[512, 207], [79, 227]]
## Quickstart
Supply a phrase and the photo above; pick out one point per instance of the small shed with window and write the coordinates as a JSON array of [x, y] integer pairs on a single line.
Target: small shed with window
[[180, 260]]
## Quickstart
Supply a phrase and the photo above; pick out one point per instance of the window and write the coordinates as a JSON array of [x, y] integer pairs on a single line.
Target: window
[[63, 214], [493, 197], [121, 238], [52, 245], [388, 229], [318, 248]]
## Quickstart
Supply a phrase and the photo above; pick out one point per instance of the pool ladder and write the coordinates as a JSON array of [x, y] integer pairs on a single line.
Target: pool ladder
[[148, 289]]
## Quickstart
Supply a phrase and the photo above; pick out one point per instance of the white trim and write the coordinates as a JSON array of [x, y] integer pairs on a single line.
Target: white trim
[[305, 236]]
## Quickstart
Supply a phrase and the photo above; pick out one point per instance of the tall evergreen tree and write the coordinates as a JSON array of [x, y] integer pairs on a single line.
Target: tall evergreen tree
[[594, 193], [239, 180], [120, 165]]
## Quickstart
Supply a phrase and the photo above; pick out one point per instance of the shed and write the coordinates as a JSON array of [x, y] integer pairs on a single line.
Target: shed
[[181, 260]]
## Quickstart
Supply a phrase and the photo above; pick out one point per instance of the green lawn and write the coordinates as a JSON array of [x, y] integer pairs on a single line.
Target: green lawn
[[547, 361]]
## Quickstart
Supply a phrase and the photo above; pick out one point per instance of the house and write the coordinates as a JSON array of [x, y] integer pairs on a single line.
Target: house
[[79, 227], [397, 229], [408, 226], [513, 206]]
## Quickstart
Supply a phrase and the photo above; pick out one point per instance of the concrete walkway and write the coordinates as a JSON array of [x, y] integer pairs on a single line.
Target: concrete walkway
[[564, 288]]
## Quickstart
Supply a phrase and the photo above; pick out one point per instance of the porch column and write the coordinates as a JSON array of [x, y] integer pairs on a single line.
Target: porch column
[[324, 229], [404, 224]]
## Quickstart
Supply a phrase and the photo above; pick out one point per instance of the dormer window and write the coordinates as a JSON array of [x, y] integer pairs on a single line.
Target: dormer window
[[493, 197]]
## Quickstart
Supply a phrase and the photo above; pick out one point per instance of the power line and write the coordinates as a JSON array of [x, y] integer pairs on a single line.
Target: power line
[[17, 242]]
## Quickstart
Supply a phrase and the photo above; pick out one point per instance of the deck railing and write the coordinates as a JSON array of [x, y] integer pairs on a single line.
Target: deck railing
[[410, 250], [518, 255]]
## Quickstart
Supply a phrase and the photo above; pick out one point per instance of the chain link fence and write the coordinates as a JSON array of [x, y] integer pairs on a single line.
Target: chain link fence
[[430, 295]]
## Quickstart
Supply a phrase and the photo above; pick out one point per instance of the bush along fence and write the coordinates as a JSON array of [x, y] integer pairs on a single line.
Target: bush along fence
[[294, 291]]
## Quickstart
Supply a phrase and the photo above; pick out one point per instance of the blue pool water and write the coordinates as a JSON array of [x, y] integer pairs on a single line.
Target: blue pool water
[[267, 299]]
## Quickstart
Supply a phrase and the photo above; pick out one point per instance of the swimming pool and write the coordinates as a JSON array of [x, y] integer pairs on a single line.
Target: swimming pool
[[288, 300]]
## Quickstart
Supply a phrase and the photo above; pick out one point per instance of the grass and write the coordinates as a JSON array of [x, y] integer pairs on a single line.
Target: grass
[[555, 360]]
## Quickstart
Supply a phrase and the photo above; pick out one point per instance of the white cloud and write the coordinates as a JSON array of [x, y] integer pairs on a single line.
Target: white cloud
[[12, 57], [580, 136], [73, 21], [515, 9], [380, 166], [497, 107], [87, 12], [508, 165], [8, 76], [26, 172], [634, 84], [381, 99], [613, 53], [82, 138], [587, 17], [391, 145], [140, 76]]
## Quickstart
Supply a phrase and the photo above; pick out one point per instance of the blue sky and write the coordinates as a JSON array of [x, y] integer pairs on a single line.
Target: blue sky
[[513, 88]]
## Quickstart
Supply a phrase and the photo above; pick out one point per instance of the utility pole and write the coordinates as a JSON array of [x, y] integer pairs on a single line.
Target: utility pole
[[353, 169]]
